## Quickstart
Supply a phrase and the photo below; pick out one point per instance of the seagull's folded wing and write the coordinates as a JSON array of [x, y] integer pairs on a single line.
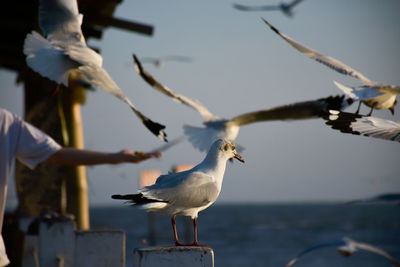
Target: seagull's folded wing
[[184, 189]]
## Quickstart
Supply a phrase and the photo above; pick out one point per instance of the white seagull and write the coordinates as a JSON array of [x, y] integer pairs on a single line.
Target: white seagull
[[346, 247], [286, 8], [215, 127], [363, 125], [64, 49], [189, 192], [372, 94]]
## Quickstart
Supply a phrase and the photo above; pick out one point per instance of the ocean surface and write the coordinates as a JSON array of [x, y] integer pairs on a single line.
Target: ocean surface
[[266, 234]]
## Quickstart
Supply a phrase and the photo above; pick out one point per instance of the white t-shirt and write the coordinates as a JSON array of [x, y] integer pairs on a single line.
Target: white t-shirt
[[21, 140]]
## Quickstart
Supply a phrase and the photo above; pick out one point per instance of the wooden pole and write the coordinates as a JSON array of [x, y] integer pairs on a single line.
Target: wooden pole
[[76, 184]]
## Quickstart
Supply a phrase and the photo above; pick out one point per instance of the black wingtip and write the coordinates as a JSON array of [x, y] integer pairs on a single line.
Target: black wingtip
[[156, 129], [341, 121], [137, 63], [272, 27]]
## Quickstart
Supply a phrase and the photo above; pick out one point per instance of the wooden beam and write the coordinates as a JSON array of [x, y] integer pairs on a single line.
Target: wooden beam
[[119, 23]]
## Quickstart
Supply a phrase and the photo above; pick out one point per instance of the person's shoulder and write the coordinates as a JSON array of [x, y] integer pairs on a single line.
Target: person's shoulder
[[6, 115]]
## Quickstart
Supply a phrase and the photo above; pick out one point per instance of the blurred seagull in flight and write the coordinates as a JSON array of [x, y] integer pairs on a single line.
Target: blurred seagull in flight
[[346, 247], [286, 8], [159, 62], [363, 125], [189, 192], [372, 94], [215, 127], [64, 49]]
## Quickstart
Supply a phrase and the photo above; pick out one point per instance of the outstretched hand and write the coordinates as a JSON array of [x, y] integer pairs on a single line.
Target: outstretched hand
[[137, 156]]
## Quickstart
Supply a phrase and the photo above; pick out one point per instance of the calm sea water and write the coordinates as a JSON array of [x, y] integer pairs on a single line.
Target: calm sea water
[[267, 235]]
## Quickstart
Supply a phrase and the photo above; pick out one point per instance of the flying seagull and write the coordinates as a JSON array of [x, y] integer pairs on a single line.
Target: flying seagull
[[372, 94], [189, 192], [286, 8], [363, 125], [216, 127], [63, 50], [346, 247], [159, 62]]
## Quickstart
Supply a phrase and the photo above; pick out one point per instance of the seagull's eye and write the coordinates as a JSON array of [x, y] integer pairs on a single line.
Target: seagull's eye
[[226, 147], [77, 36]]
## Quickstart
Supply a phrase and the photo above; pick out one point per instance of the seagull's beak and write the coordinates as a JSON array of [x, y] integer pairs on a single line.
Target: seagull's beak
[[238, 157]]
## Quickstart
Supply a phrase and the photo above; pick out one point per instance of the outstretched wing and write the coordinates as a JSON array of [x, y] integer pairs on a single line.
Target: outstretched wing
[[60, 20], [97, 76], [196, 105], [326, 60], [363, 125], [296, 111], [256, 8], [372, 249], [314, 247]]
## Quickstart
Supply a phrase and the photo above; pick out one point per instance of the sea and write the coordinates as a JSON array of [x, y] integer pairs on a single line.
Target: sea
[[266, 234]]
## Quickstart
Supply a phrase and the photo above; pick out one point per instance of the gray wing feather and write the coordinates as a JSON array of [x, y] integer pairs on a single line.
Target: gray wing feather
[[196, 105], [326, 60], [296, 111]]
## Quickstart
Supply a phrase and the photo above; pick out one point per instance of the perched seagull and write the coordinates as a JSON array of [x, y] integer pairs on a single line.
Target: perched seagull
[[286, 8], [63, 50], [216, 127], [189, 192], [159, 62], [372, 94], [363, 125], [346, 247], [388, 198]]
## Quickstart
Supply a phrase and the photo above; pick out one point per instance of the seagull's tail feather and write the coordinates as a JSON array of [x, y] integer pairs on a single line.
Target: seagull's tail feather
[[45, 59], [349, 91], [136, 199]]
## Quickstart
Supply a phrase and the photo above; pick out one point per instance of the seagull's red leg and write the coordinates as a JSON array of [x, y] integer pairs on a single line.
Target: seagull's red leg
[[173, 221], [196, 242]]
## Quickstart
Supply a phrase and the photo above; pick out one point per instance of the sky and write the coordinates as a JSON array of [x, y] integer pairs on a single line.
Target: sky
[[239, 65]]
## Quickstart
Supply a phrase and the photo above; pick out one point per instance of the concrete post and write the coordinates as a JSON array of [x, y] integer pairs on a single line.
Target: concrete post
[[173, 256], [56, 244], [100, 248]]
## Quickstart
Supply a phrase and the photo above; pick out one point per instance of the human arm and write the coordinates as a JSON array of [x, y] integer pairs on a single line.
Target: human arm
[[73, 156]]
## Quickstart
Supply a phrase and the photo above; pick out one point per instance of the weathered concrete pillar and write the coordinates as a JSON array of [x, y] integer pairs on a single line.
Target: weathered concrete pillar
[[56, 243], [100, 248], [173, 256]]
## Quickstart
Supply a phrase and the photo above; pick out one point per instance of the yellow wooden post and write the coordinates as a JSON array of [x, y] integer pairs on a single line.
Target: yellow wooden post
[[76, 185]]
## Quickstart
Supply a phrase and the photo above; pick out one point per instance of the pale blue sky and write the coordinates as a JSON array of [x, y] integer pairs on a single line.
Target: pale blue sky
[[239, 65]]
